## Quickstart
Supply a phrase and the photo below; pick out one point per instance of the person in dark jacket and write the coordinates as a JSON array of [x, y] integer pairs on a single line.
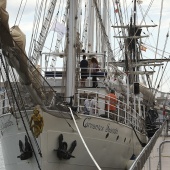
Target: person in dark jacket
[[94, 69], [84, 72]]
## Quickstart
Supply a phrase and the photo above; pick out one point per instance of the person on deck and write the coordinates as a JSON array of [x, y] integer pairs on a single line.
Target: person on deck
[[110, 106], [87, 106], [84, 72], [94, 68], [92, 106]]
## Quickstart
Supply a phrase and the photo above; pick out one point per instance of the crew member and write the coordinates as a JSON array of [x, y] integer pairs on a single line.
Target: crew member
[[110, 106]]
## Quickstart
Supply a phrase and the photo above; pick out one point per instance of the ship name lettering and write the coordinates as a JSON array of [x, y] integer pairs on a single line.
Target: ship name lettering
[[111, 130], [6, 125], [92, 126]]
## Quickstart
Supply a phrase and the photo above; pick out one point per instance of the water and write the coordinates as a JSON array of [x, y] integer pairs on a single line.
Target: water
[[2, 167]]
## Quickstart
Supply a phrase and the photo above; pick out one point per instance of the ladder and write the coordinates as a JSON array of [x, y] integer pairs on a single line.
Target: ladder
[[43, 34]]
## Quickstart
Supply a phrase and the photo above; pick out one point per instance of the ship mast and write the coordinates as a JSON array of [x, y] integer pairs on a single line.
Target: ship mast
[[134, 32], [136, 54], [71, 55]]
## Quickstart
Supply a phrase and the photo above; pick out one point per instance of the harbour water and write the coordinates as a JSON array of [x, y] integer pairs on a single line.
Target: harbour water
[[2, 167]]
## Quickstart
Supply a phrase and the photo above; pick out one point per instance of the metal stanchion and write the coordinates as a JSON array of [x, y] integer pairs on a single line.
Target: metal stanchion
[[160, 163]]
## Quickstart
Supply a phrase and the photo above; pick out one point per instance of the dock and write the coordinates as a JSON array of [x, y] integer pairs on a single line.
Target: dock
[[156, 154], [153, 160]]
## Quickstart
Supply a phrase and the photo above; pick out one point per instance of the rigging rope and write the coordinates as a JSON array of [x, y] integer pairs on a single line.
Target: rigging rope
[[37, 20], [13, 77], [18, 12], [22, 12], [26, 115], [110, 51], [5, 69], [160, 19], [33, 66], [55, 23], [150, 48], [10, 103], [84, 26], [167, 36], [38, 10], [126, 10], [167, 80], [147, 11]]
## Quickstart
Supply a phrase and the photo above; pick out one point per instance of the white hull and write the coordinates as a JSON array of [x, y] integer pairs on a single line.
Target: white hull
[[111, 143]]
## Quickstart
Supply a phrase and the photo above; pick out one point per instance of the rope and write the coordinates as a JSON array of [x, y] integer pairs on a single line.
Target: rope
[[22, 12], [84, 34], [18, 12], [26, 115], [106, 39], [98, 167], [146, 11], [19, 111], [10, 103], [37, 17], [125, 49], [160, 19], [160, 67], [39, 74]]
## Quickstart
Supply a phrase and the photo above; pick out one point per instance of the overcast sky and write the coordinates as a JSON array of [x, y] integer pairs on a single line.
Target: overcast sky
[[26, 23], [27, 18]]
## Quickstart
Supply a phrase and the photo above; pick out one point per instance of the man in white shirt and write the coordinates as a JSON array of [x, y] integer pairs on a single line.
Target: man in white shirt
[[92, 106], [87, 106]]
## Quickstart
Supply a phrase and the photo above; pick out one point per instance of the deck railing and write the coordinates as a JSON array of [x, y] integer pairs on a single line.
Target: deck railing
[[144, 155], [58, 73], [4, 103], [123, 114]]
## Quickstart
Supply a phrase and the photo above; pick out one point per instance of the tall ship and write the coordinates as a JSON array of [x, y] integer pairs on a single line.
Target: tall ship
[[87, 101]]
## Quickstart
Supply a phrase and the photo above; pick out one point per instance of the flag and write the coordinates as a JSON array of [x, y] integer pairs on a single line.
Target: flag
[[116, 10], [143, 48], [59, 28]]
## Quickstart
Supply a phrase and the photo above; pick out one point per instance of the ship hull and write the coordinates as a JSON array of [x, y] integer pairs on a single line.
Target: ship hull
[[112, 144]]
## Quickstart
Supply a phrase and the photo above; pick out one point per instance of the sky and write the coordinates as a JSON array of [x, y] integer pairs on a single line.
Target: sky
[[26, 25], [26, 21]]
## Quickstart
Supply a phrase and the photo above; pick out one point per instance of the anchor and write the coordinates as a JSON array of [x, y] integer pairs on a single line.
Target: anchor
[[62, 152], [26, 152]]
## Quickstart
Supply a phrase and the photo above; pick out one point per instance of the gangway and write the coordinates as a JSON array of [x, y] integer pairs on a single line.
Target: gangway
[[144, 156]]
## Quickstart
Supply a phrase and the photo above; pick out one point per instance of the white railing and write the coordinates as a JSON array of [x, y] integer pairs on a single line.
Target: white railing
[[124, 114], [4, 103], [58, 73], [144, 156]]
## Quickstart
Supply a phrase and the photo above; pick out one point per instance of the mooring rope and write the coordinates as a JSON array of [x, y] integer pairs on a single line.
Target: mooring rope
[[98, 167]]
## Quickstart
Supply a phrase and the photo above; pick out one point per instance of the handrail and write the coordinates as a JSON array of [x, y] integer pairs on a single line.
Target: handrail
[[160, 163], [143, 156], [127, 116]]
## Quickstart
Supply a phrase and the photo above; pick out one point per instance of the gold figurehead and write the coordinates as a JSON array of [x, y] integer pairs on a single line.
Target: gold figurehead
[[38, 120]]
